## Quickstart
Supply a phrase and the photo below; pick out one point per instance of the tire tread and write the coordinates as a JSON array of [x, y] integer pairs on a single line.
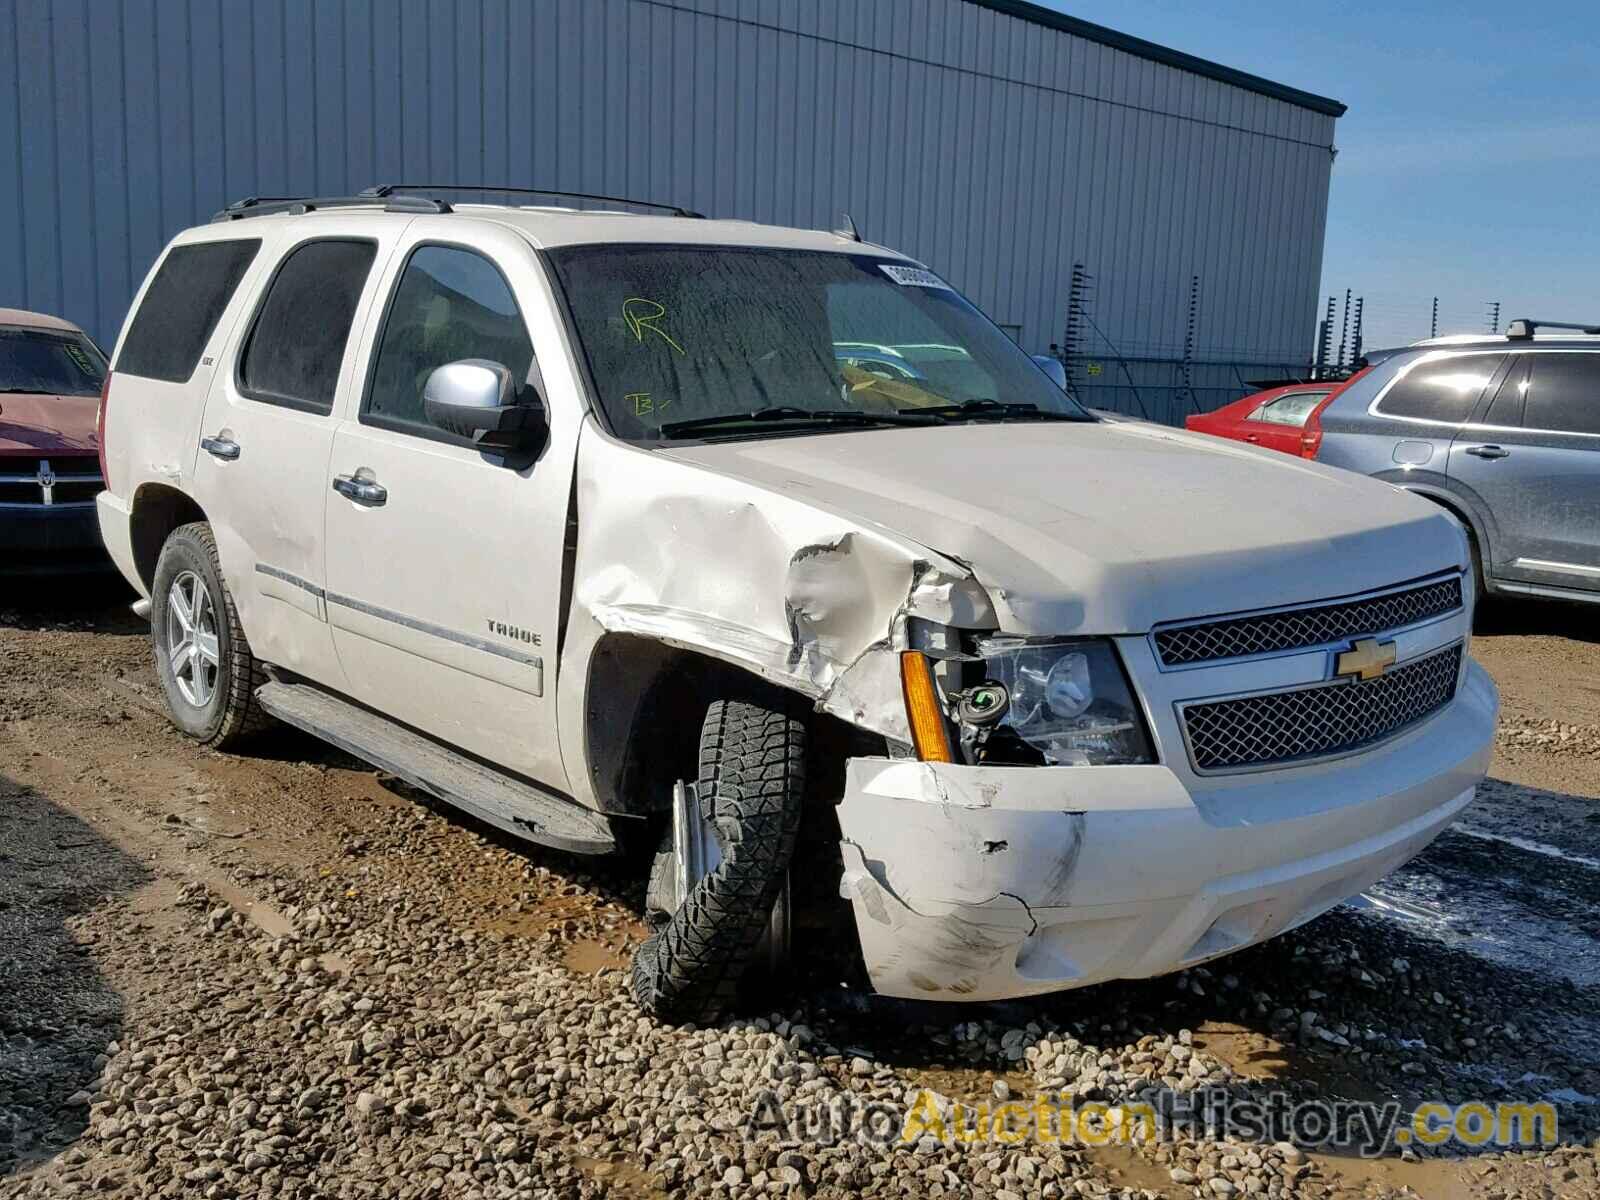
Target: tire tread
[[751, 783]]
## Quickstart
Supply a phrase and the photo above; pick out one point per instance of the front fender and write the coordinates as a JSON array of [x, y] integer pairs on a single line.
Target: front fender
[[799, 595]]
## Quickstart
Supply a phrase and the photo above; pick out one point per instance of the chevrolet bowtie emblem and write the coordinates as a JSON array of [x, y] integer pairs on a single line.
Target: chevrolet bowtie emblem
[[1368, 658]]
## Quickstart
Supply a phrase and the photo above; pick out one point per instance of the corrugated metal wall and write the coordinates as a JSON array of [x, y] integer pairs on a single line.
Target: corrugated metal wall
[[997, 150]]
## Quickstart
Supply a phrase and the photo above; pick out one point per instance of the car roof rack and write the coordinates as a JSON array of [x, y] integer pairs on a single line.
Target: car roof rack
[[396, 189], [266, 206], [1526, 327]]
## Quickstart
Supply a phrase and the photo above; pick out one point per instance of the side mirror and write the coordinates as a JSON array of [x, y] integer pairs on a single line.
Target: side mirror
[[475, 398], [1053, 367]]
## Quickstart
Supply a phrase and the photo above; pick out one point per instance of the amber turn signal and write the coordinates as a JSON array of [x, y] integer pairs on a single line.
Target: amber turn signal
[[929, 733]]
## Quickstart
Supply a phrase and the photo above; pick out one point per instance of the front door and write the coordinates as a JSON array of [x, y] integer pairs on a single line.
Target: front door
[[1533, 462], [444, 571], [267, 433]]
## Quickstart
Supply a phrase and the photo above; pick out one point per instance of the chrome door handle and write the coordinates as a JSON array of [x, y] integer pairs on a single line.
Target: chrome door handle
[[223, 448], [1488, 452], [362, 491]]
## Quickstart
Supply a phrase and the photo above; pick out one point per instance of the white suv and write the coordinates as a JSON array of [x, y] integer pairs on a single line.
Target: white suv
[[590, 522]]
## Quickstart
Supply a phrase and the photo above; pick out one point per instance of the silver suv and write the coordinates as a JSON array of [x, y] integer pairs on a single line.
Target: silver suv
[[1504, 431]]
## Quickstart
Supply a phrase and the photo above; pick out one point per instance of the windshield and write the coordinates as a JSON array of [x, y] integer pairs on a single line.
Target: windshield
[[676, 336], [59, 364]]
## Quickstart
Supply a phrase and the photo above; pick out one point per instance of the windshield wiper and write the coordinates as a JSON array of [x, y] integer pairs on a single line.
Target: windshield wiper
[[995, 410], [790, 414]]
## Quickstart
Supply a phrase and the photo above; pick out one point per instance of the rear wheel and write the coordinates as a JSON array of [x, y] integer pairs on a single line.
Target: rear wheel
[[717, 885], [208, 675]]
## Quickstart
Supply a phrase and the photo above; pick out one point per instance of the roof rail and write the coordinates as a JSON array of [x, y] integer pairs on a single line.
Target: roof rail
[[264, 206], [1526, 327], [394, 189]]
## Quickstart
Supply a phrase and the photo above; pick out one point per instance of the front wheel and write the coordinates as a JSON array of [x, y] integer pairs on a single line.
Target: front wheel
[[750, 793], [208, 675]]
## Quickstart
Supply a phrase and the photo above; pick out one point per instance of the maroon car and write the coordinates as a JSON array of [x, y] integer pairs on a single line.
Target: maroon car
[[51, 375]]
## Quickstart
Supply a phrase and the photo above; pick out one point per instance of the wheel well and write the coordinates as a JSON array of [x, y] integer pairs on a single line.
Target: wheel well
[[646, 702], [1460, 514], [157, 511]]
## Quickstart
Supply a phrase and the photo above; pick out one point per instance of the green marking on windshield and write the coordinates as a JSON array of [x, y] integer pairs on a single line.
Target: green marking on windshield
[[644, 403], [642, 315]]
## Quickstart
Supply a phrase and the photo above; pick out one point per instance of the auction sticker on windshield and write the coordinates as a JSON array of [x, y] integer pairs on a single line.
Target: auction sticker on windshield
[[913, 276]]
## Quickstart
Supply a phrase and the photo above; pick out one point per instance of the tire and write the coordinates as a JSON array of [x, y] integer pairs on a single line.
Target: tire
[[212, 701], [752, 784]]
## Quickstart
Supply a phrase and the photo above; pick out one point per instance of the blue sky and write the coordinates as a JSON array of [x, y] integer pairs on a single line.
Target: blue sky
[[1469, 162]]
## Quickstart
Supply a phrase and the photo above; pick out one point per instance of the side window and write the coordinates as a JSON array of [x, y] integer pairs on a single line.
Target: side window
[[1444, 389], [1506, 408], [1292, 409], [1564, 393], [449, 304], [294, 349], [182, 306]]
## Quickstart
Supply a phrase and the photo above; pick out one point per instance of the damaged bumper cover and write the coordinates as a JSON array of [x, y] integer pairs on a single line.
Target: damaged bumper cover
[[984, 883]]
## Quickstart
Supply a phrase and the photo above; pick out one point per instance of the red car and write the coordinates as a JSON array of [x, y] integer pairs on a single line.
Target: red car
[[51, 374], [1280, 418]]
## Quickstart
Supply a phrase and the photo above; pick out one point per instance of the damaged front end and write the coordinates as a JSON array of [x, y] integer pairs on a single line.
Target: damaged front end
[[835, 608], [802, 596]]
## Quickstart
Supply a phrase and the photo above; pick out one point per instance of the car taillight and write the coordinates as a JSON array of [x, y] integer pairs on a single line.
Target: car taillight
[[1310, 439], [100, 431]]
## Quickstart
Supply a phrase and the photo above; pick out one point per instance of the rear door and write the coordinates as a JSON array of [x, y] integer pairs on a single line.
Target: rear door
[[1277, 423], [444, 586], [166, 359], [1533, 461], [1422, 408], [262, 473]]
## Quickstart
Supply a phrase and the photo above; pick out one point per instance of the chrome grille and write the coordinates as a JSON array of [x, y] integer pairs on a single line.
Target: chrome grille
[[1321, 720], [1298, 628], [37, 482]]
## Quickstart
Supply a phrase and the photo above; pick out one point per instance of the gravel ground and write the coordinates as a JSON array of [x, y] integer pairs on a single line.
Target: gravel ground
[[283, 976]]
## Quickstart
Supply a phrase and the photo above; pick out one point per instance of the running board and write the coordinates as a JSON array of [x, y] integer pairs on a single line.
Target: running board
[[513, 805]]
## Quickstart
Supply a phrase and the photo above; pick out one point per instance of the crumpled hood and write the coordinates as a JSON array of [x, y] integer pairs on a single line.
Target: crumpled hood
[[1109, 528], [42, 424]]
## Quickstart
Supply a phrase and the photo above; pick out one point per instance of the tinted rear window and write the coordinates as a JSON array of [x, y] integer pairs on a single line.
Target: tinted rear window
[[182, 306], [295, 349], [1564, 393], [1445, 389], [58, 364]]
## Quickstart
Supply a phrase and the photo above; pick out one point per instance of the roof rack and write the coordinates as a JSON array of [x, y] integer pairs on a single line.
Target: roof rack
[[395, 189], [264, 206], [1526, 327]]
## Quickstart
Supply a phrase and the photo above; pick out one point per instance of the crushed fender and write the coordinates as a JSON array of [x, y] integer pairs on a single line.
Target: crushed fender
[[780, 585]]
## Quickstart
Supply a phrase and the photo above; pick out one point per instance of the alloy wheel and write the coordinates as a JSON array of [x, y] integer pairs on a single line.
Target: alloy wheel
[[192, 649]]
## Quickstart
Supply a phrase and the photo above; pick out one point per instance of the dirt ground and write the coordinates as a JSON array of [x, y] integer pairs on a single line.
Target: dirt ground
[[187, 941]]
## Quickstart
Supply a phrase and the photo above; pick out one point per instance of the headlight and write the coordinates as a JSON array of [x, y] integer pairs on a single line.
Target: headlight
[[1068, 700]]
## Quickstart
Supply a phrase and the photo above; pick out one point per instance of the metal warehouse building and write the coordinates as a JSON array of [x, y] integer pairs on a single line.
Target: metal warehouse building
[[1157, 216]]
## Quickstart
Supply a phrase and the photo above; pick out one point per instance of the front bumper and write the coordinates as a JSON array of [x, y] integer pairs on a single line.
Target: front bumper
[[986, 883], [50, 539]]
